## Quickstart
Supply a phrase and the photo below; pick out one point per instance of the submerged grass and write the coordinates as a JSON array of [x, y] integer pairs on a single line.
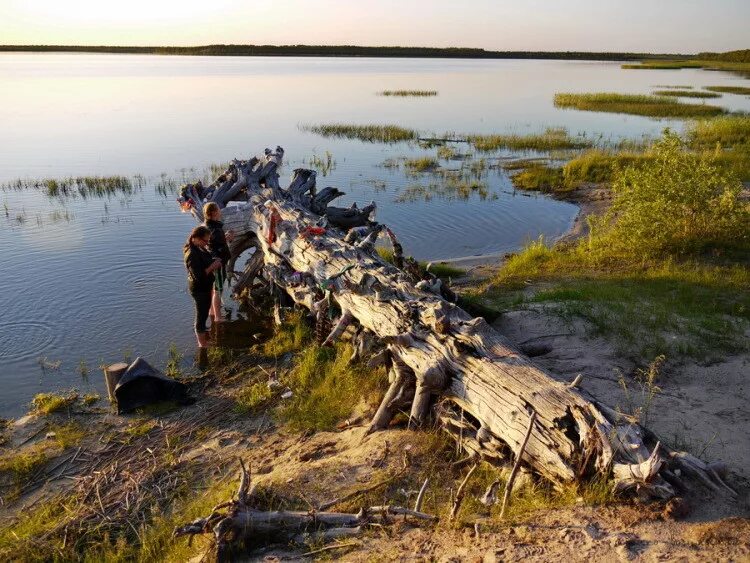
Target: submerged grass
[[686, 94], [451, 188], [422, 164], [408, 93], [551, 139], [740, 90], [635, 104], [369, 133]]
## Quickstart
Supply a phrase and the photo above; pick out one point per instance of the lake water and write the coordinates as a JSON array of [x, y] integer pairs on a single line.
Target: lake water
[[95, 280]]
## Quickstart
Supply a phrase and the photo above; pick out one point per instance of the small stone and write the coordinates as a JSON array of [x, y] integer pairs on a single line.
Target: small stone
[[50, 436], [287, 394]]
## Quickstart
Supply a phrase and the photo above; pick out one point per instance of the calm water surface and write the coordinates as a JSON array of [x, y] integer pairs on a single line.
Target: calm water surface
[[87, 281]]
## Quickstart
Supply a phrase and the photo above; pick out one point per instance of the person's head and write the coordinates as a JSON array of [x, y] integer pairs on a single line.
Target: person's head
[[199, 237], [212, 211]]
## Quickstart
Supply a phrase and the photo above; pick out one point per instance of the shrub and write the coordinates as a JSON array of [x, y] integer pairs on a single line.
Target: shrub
[[676, 202]]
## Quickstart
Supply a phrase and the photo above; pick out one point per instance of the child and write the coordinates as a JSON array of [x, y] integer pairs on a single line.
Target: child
[[201, 267], [219, 249]]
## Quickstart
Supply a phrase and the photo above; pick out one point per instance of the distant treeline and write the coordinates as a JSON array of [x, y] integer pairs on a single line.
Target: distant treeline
[[342, 51], [741, 56]]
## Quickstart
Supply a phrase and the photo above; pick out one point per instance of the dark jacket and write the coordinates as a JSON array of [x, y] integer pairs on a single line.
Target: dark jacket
[[196, 262], [218, 242]]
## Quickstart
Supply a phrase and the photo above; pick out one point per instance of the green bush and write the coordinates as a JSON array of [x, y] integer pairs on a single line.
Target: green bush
[[676, 202]]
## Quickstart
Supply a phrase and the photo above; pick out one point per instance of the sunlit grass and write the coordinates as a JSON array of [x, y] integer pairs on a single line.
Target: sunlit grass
[[422, 164], [49, 403], [550, 139], [408, 93], [731, 66], [686, 94], [370, 133], [293, 334], [741, 90], [326, 387], [727, 131], [635, 104]]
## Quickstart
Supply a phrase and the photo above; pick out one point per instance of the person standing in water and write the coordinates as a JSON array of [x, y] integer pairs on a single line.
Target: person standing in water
[[200, 266], [219, 248]]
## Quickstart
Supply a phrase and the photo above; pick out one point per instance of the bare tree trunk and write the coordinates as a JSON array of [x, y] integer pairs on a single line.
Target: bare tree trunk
[[437, 350]]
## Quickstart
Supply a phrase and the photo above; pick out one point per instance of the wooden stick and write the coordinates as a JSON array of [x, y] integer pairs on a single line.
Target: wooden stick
[[420, 496], [460, 493], [517, 464]]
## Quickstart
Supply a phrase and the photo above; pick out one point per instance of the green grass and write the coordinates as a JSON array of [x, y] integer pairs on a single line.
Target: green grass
[[422, 164], [740, 90], [740, 67], [727, 131], [680, 309], [550, 139], [635, 104], [293, 334], [408, 93], [368, 133], [326, 387], [540, 177], [21, 466], [686, 94], [662, 65], [250, 398], [49, 403]]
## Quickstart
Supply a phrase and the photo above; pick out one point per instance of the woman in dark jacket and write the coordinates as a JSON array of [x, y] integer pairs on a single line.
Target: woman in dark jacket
[[219, 248], [200, 266]]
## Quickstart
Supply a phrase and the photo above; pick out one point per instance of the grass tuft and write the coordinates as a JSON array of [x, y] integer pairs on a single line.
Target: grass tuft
[[368, 133], [740, 90], [554, 138], [291, 336], [635, 104], [48, 403], [326, 387], [686, 94], [408, 93]]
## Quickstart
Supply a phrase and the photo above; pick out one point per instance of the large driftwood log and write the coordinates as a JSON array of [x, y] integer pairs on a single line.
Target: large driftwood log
[[488, 389]]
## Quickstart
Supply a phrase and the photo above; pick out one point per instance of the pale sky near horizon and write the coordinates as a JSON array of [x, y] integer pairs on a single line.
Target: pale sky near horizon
[[685, 26]]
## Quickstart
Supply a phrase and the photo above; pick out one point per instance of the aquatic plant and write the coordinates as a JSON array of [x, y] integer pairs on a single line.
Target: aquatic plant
[[686, 94], [323, 164], [369, 133], [635, 104], [408, 93], [421, 164], [551, 139], [452, 186], [741, 90]]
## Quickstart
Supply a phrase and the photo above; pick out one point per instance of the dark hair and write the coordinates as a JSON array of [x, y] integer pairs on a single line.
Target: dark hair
[[201, 231]]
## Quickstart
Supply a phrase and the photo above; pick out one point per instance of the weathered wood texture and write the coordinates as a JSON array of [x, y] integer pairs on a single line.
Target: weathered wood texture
[[485, 389]]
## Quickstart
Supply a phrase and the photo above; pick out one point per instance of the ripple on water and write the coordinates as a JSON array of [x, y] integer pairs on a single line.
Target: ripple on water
[[22, 340]]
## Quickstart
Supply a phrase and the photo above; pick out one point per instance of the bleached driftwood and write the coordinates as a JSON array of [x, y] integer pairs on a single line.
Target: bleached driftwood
[[433, 348], [238, 522]]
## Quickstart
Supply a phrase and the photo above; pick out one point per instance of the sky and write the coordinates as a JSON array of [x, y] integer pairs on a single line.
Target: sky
[[685, 26]]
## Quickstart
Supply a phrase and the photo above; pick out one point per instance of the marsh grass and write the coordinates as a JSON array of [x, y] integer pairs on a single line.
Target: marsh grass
[[372, 133], [83, 186], [686, 94], [739, 67], [673, 87], [727, 131], [324, 164], [739, 90], [421, 164], [49, 403], [635, 104], [409, 93], [451, 188], [553, 138]]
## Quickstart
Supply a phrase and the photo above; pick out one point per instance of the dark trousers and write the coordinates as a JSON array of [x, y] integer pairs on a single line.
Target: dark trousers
[[202, 306]]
